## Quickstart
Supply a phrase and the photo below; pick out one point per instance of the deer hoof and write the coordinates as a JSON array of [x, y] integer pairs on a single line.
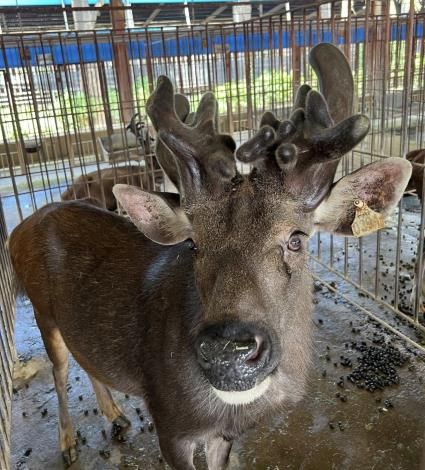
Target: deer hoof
[[69, 456], [119, 427], [121, 421]]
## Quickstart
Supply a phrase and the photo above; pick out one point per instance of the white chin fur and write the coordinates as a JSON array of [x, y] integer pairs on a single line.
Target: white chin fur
[[245, 397]]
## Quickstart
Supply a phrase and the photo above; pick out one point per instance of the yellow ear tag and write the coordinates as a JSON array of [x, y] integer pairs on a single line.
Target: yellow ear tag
[[366, 219]]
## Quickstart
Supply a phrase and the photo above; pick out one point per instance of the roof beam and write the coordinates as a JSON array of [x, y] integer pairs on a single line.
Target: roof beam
[[152, 16], [215, 13], [276, 9]]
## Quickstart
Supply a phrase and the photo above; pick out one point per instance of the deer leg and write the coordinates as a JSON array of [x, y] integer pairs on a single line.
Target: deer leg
[[58, 354], [109, 408], [218, 451], [178, 453]]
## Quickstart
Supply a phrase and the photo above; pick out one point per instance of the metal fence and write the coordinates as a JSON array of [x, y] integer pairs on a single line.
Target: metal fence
[[7, 317], [67, 98]]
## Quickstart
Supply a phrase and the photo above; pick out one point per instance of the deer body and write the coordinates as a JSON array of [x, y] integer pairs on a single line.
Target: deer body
[[115, 313], [202, 307], [95, 187]]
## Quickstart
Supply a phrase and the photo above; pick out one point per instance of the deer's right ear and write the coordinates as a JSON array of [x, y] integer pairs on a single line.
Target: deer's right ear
[[157, 215], [379, 185]]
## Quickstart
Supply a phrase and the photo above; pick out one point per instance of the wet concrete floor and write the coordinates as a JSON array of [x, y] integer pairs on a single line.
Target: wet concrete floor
[[324, 431]]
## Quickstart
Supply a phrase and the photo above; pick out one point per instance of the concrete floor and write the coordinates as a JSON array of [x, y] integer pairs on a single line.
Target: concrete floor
[[334, 427], [368, 437]]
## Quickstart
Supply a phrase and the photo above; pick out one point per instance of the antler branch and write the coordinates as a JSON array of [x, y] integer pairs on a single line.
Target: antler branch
[[163, 155], [308, 146], [204, 159]]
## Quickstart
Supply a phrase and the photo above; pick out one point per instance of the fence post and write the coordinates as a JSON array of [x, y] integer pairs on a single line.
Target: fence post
[[121, 61]]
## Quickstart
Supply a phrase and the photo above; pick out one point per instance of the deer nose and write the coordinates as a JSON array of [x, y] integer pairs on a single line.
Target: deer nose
[[234, 356]]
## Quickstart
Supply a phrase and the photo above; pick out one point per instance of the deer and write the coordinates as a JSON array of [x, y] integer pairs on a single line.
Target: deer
[[96, 186], [200, 303], [417, 159]]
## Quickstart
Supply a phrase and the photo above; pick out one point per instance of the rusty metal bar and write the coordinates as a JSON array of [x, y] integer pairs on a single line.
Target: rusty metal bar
[[7, 352]]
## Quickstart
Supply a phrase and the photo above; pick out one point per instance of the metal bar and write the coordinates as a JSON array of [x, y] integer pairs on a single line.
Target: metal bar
[[121, 64], [7, 314]]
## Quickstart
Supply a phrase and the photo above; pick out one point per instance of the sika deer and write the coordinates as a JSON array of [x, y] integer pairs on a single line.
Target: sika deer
[[417, 159], [96, 186], [416, 182], [202, 309]]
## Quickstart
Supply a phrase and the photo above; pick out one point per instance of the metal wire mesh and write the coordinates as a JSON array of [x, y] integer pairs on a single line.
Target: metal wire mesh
[[7, 317], [66, 100]]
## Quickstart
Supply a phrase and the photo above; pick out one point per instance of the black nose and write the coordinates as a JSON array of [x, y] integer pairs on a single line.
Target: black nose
[[235, 356]]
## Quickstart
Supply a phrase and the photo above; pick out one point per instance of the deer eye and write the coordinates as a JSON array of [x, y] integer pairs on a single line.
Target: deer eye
[[295, 243]]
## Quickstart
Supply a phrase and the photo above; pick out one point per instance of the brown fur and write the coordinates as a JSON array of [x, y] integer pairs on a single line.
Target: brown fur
[[90, 185], [137, 306], [131, 310], [417, 158]]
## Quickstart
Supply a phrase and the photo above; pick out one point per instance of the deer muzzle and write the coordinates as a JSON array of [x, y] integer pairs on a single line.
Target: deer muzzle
[[236, 356]]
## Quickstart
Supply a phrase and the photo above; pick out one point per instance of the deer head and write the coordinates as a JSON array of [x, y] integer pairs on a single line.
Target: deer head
[[247, 236]]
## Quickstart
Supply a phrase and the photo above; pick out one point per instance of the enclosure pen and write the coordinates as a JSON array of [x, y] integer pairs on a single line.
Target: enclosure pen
[[73, 79]]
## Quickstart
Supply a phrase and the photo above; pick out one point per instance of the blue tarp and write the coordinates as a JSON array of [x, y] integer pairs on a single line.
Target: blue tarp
[[73, 53]]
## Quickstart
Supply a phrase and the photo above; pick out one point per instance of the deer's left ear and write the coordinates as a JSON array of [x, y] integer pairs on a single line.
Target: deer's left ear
[[157, 215], [378, 186]]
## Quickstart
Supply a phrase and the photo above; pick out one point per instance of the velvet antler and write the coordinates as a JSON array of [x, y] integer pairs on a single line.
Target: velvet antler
[[307, 147], [204, 159], [163, 155]]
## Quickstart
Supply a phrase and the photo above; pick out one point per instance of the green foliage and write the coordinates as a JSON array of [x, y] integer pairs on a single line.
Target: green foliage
[[71, 111], [114, 105], [267, 91], [141, 90], [75, 108]]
